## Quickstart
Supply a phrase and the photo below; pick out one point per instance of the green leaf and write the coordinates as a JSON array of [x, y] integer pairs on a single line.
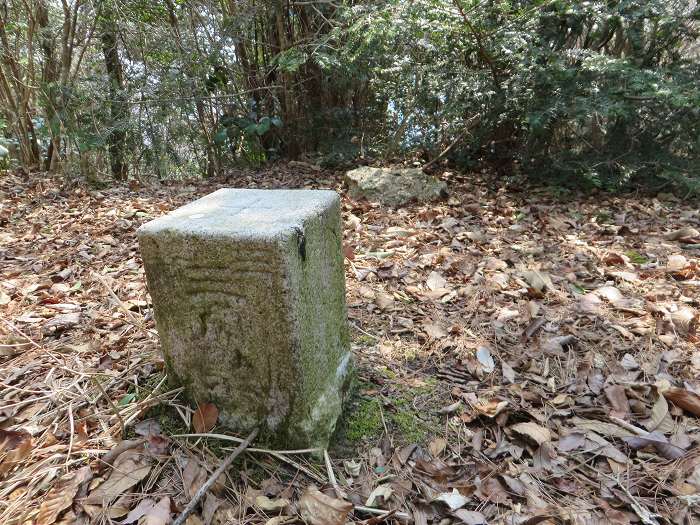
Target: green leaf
[[220, 137], [263, 126], [128, 398]]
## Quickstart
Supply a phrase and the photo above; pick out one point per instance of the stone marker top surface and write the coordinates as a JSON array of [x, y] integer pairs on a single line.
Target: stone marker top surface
[[244, 213]]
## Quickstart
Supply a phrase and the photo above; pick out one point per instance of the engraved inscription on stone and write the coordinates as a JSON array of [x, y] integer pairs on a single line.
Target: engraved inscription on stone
[[248, 293]]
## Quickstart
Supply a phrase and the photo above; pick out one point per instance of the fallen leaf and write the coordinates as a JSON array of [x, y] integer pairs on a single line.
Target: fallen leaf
[[382, 491], [453, 499], [659, 416], [508, 372], [193, 477], [318, 509], [436, 281], [483, 355], [61, 495], [618, 399], [490, 408], [537, 433], [470, 517], [139, 510], [434, 330], [687, 233], [271, 505], [682, 398], [128, 469], [437, 446], [352, 467], [601, 427], [147, 427], [590, 303], [659, 442], [15, 446], [628, 362], [159, 514], [384, 301], [281, 520], [205, 417], [571, 441]]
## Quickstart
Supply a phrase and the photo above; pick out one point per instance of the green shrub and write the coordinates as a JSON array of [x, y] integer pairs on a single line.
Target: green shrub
[[602, 92]]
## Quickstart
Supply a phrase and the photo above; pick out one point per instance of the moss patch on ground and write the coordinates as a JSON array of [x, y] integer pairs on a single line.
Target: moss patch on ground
[[412, 429], [364, 420]]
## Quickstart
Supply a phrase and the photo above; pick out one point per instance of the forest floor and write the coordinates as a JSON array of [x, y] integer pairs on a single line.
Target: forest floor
[[523, 357]]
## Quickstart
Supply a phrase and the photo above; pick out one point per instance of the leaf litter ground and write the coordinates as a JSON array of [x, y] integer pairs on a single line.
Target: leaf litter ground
[[522, 359]]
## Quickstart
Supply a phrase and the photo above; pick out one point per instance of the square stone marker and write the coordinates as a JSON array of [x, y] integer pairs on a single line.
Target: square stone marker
[[248, 289]]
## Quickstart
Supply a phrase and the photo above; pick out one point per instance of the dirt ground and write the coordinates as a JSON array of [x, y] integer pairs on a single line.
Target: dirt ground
[[524, 356]]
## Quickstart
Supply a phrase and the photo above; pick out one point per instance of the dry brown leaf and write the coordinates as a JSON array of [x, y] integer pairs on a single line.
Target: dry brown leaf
[[602, 428], [15, 446], [454, 500], [537, 433], [384, 301], [281, 520], [590, 303], [435, 330], [687, 233], [685, 399], [159, 514], [539, 281], [128, 470], [205, 417], [490, 408], [659, 442], [193, 477], [470, 517], [318, 509], [271, 505], [618, 399], [436, 281], [437, 446], [61, 495], [660, 419]]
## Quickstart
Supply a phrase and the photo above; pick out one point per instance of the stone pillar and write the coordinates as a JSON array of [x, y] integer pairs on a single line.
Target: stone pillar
[[248, 291]]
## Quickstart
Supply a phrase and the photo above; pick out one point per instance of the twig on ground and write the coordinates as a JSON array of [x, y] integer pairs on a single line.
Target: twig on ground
[[20, 332], [212, 479], [226, 437], [354, 325], [381, 513], [96, 380], [72, 431], [331, 477]]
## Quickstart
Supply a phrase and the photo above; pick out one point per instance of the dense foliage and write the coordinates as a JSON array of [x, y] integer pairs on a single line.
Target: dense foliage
[[600, 91]]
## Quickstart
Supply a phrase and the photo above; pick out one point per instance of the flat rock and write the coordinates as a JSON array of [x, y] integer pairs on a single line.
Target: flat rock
[[394, 186], [248, 291]]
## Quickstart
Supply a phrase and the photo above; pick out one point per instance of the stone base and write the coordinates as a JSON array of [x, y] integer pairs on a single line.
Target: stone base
[[248, 290]]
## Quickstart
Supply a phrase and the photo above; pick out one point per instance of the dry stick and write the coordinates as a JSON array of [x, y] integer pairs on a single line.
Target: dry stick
[[72, 430], [96, 380], [331, 477], [207, 485], [381, 512]]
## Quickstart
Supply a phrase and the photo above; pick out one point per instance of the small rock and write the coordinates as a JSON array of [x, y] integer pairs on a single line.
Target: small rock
[[394, 186]]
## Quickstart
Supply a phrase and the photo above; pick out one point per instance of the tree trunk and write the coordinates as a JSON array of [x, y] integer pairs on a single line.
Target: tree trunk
[[116, 138]]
